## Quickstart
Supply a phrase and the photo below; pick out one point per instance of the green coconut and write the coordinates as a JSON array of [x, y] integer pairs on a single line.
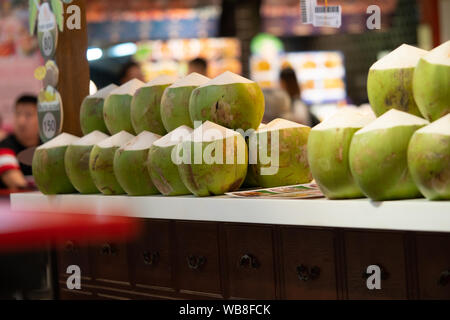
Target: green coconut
[[163, 170], [213, 160], [280, 156], [429, 159], [328, 149], [175, 101], [390, 81], [76, 162], [432, 83], [101, 163], [146, 105], [117, 107], [251, 180], [91, 111], [47, 28], [378, 156], [130, 165], [228, 100], [48, 165]]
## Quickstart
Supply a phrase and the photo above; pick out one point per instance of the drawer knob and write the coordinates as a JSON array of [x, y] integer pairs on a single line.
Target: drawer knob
[[305, 274], [249, 261], [384, 273], [195, 262], [70, 247], [108, 249], [444, 279], [150, 258]]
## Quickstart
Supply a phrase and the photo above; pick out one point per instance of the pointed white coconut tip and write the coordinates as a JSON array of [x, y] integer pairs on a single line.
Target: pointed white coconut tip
[[391, 119], [104, 92], [405, 56], [226, 78], [262, 125], [117, 140], [64, 139], [174, 137], [161, 80], [45, 12], [439, 55], [279, 124], [346, 118], [210, 131], [440, 126], [142, 141], [92, 138], [192, 80], [129, 87]]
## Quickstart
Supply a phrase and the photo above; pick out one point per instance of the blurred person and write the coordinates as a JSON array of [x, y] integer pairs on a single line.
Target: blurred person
[[198, 65], [25, 135], [3, 133], [130, 71], [277, 104]]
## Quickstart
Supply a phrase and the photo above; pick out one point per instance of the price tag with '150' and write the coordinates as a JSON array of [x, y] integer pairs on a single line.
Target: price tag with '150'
[[50, 113]]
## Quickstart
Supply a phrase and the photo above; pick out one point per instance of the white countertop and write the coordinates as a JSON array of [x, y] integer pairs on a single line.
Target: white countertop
[[408, 215]]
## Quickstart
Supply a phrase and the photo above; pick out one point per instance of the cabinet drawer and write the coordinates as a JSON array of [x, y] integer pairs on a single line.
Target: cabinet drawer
[[73, 253], [309, 268], [250, 262], [433, 266], [150, 256], [66, 294], [385, 250], [198, 266]]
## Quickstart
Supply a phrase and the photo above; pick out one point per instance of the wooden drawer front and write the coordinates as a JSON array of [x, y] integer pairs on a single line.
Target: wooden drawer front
[[433, 266], [383, 249], [66, 294], [250, 262], [198, 266], [73, 253], [110, 263], [309, 269], [150, 256]]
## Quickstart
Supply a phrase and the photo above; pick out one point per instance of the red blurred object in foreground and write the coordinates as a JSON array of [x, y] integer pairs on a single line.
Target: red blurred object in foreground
[[24, 230]]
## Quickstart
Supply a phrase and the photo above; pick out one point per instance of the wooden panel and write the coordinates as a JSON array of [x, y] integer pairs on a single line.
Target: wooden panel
[[433, 266], [250, 262], [66, 294], [73, 253], [198, 265], [308, 264], [110, 263], [375, 248]]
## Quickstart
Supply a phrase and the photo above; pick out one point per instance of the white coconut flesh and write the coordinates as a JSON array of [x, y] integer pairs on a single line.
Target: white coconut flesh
[[226, 78], [403, 57], [117, 140], [161, 80], [128, 88], [279, 124], [346, 118], [391, 119], [104, 92], [209, 132], [439, 55], [92, 138], [441, 126], [142, 141], [192, 80], [174, 137], [64, 139], [45, 13]]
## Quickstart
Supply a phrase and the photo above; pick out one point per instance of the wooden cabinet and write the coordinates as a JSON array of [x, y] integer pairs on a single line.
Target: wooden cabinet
[[74, 253]]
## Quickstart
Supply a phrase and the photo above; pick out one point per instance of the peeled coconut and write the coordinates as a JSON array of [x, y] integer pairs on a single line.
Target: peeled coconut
[[130, 165], [146, 105], [48, 165], [280, 157], [432, 83], [76, 162], [162, 169], [91, 111], [116, 110], [175, 101], [429, 159], [213, 160], [328, 151], [228, 100], [101, 163], [378, 156], [389, 84]]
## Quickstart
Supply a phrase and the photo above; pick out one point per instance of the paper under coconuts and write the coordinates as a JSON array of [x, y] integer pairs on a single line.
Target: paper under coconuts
[[101, 163], [432, 83], [116, 110], [389, 84], [328, 148], [175, 101], [130, 165], [378, 156], [76, 161], [162, 169], [281, 154], [91, 111], [146, 105], [213, 160], [429, 159], [48, 165], [228, 100]]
